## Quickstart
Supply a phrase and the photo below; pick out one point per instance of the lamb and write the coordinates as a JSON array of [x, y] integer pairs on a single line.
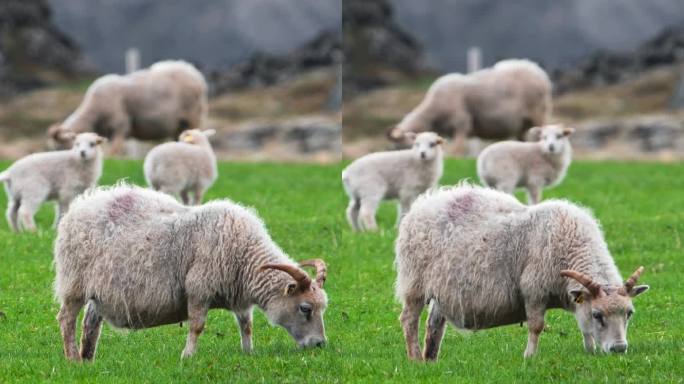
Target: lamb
[[58, 175], [401, 175], [140, 259], [493, 103], [150, 104], [484, 260], [508, 165], [184, 167]]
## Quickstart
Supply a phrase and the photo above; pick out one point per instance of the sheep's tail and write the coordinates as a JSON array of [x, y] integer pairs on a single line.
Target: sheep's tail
[[4, 176]]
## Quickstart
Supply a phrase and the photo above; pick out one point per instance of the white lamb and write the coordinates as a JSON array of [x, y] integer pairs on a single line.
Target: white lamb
[[401, 175], [179, 168], [508, 165], [58, 175]]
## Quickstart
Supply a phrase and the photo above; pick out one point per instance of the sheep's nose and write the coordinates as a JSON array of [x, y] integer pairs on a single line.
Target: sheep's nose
[[320, 343], [422, 155], [619, 348], [83, 154], [551, 147]]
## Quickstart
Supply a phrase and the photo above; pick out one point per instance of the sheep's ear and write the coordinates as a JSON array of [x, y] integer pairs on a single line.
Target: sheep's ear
[[567, 131], [100, 140], [578, 295], [209, 132], [439, 140], [534, 134], [410, 136], [638, 290]]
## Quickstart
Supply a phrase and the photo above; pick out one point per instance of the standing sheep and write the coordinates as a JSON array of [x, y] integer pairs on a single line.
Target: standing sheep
[[508, 165], [493, 103], [59, 175], [484, 260], [140, 259], [184, 167], [401, 175], [150, 104]]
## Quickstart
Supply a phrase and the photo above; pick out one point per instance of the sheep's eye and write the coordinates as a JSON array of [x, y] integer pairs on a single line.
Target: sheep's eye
[[559, 136], [92, 145], [432, 145], [305, 308], [630, 313], [598, 316]]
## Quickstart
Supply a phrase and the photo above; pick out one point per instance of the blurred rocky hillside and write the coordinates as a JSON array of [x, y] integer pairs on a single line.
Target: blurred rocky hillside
[[33, 51]]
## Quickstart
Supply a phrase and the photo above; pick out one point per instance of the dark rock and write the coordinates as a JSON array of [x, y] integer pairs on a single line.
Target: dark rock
[[377, 52], [33, 52], [657, 135], [302, 135], [263, 70], [605, 68]]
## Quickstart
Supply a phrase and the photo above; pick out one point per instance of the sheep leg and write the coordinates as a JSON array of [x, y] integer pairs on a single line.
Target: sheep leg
[[404, 206], [367, 213], [198, 196], [410, 319], [244, 320], [27, 210], [92, 325], [185, 197], [197, 314], [60, 209], [535, 326], [533, 195], [67, 323], [12, 214], [434, 332], [353, 213], [117, 145], [505, 187]]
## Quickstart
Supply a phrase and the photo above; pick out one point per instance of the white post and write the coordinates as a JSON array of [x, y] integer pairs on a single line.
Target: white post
[[474, 59], [132, 60]]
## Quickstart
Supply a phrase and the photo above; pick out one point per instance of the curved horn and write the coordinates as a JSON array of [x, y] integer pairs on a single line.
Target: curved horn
[[593, 287], [321, 270], [303, 280], [631, 282]]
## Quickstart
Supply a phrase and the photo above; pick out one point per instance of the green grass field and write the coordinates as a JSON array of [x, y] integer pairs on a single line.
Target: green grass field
[[641, 207]]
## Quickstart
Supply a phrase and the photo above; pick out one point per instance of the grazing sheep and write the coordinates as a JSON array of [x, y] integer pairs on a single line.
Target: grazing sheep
[[508, 165], [150, 104], [184, 167], [59, 176], [484, 260], [140, 259], [401, 175], [493, 103]]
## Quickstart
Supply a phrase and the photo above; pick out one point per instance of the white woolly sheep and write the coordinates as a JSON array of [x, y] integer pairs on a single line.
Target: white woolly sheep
[[484, 260], [508, 165], [401, 175], [493, 103], [58, 175], [183, 168], [140, 259], [150, 104]]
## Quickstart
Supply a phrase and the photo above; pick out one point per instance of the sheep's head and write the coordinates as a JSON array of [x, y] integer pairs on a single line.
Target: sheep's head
[[554, 138], [426, 145], [603, 311], [59, 137], [300, 307], [196, 136], [87, 144]]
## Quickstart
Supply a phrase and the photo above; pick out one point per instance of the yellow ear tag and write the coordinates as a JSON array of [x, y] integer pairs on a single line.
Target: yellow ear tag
[[188, 139]]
